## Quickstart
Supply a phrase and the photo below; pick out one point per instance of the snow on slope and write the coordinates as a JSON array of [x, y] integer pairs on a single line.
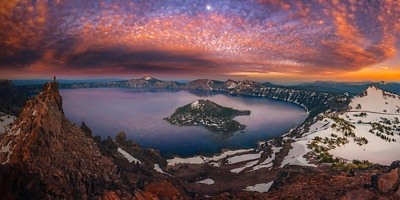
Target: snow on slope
[[241, 158], [202, 159], [377, 150], [158, 169], [374, 114], [262, 187], [207, 181], [128, 156], [374, 99], [5, 121]]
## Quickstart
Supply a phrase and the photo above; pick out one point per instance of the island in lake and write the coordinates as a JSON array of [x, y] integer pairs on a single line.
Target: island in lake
[[212, 116]]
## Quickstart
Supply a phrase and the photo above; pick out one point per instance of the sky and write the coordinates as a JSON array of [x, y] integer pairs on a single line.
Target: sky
[[269, 40]]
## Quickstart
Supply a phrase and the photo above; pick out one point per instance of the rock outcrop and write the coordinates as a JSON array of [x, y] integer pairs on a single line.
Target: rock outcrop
[[121, 138], [86, 130], [51, 158], [45, 156]]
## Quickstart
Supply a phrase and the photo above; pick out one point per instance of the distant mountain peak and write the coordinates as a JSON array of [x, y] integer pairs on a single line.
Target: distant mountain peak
[[371, 89], [147, 78], [375, 99]]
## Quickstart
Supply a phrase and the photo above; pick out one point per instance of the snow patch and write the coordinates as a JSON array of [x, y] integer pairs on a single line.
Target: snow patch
[[262, 187], [158, 169], [195, 105], [250, 164], [207, 181], [241, 158], [267, 163], [147, 78], [202, 159], [296, 155], [128, 156], [5, 121]]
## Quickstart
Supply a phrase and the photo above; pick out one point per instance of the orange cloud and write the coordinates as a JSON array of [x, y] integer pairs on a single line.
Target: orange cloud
[[265, 36]]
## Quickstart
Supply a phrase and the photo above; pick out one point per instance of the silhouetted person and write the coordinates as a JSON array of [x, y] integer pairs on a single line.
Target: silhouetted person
[[54, 78]]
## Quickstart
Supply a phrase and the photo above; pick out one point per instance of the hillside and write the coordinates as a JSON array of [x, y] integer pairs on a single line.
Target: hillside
[[369, 130], [206, 113]]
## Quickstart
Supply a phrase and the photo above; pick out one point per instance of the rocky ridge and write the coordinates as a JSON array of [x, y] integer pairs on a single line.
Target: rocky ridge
[[45, 156]]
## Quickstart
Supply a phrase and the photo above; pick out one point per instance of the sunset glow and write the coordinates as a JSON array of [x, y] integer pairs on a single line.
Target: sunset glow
[[261, 40]]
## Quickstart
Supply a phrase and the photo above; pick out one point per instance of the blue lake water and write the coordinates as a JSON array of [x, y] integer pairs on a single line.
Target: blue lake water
[[140, 114]]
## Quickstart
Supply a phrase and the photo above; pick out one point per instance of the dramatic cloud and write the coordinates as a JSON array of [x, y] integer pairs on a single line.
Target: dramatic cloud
[[197, 36]]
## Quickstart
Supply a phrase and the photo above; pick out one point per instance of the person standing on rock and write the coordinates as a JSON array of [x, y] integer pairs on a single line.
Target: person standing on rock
[[54, 78]]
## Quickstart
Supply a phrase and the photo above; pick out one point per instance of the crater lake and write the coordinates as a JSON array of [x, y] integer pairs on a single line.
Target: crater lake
[[140, 113]]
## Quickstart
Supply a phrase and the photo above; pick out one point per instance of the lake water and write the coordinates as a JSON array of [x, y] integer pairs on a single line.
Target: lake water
[[140, 114]]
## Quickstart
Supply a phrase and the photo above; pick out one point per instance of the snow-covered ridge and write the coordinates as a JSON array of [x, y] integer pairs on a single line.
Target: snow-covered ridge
[[374, 99]]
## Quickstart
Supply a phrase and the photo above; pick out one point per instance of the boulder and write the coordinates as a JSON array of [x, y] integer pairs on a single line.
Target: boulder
[[389, 181], [395, 164]]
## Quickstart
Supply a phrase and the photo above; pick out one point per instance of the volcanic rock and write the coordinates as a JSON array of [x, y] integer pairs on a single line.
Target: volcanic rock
[[86, 130], [389, 181], [45, 156], [121, 138]]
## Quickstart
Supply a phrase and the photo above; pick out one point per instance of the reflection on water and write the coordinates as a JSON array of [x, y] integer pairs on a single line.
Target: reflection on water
[[140, 114]]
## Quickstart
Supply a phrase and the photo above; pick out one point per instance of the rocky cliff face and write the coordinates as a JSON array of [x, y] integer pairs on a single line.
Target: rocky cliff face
[[314, 102], [50, 157], [204, 84], [45, 156], [11, 100], [144, 82]]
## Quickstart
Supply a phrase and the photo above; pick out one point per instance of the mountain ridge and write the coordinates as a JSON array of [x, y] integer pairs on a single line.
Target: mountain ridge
[[45, 156], [315, 102]]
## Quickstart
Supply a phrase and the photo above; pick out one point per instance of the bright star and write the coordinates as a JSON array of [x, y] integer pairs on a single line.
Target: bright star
[[208, 7]]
